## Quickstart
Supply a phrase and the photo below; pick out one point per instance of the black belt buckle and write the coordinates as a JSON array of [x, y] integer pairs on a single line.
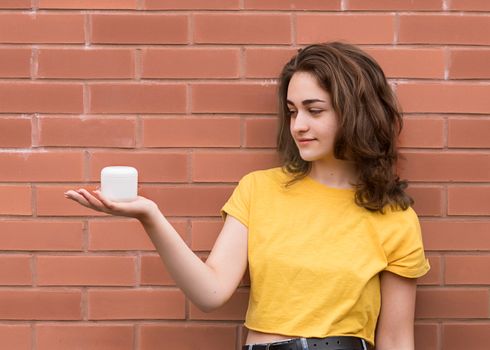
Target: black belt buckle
[[280, 344]]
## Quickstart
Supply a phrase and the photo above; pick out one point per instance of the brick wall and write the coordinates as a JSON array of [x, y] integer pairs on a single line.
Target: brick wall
[[184, 90]]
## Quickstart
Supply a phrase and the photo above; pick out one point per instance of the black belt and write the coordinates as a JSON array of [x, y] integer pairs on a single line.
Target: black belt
[[328, 343]]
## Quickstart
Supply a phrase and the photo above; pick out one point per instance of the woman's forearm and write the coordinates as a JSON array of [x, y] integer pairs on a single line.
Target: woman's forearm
[[196, 279]]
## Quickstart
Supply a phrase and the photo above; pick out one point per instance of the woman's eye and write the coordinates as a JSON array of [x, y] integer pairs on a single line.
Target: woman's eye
[[290, 112], [315, 111]]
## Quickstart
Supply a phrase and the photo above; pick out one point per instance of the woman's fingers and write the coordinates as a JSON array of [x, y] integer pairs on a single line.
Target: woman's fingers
[[92, 201], [83, 197], [106, 202], [74, 195]]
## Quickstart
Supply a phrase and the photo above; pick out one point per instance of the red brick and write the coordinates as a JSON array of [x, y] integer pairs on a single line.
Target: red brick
[[229, 166], [261, 132], [151, 166], [469, 64], [469, 5], [87, 131], [154, 272], [445, 97], [84, 336], [445, 166], [15, 63], [456, 235], [16, 336], [19, 202], [15, 132], [240, 28], [191, 4], [88, 4], [468, 200], [433, 277], [191, 132], [41, 235], [189, 200], [356, 29], [266, 62], [137, 98], [41, 28], [85, 63], [292, 5], [124, 234], [118, 235], [426, 336], [233, 98], [468, 133], [190, 63], [104, 270], [204, 234], [15, 4], [234, 309], [410, 63], [41, 97], [41, 166], [444, 29], [15, 270], [452, 303], [187, 337], [423, 132], [139, 29], [40, 304], [467, 269], [428, 199], [397, 5], [117, 304], [475, 336], [50, 201]]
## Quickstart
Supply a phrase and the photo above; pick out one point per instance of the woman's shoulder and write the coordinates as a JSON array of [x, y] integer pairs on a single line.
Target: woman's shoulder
[[397, 213], [263, 181], [394, 213], [269, 174], [395, 219]]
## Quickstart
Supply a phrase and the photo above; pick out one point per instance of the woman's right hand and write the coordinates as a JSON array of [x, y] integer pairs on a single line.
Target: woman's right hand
[[139, 209]]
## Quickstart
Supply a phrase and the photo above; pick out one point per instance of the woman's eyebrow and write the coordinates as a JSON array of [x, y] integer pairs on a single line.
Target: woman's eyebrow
[[306, 102]]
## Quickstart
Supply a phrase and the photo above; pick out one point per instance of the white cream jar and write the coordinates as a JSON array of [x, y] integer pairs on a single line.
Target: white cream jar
[[119, 183]]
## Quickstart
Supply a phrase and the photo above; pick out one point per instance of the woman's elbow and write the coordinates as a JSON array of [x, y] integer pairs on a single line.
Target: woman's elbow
[[209, 307], [211, 304]]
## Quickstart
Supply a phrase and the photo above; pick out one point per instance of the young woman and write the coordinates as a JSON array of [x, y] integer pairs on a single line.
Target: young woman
[[332, 244]]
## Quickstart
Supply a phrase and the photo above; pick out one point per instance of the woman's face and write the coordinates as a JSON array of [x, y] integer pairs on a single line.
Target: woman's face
[[314, 123]]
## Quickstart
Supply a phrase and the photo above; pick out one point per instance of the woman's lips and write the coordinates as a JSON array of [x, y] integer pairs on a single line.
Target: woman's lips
[[305, 141]]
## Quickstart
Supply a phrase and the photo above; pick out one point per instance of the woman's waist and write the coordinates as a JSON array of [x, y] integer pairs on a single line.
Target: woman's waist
[[256, 337]]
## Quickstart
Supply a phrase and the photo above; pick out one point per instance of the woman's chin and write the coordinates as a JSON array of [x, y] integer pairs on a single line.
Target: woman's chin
[[309, 157]]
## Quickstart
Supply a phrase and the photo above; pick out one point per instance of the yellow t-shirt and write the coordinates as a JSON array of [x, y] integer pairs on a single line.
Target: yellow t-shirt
[[314, 255]]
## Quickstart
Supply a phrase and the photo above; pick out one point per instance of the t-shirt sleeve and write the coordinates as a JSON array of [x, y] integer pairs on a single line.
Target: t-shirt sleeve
[[238, 205], [404, 247]]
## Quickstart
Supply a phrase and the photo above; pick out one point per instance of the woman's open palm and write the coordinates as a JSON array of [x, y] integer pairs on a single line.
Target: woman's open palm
[[139, 208]]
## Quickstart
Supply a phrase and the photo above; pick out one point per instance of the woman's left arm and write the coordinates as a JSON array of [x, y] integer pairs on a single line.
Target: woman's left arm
[[395, 327]]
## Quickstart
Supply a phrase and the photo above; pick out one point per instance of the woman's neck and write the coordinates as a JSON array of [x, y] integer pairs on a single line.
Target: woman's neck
[[334, 173]]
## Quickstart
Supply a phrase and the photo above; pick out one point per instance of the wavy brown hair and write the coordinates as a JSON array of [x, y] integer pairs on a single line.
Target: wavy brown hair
[[370, 121]]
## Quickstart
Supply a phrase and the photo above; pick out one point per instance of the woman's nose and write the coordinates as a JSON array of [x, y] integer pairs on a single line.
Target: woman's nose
[[299, 123]]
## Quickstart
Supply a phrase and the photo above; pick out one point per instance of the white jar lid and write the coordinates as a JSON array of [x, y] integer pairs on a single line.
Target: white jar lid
[[119, 171]]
